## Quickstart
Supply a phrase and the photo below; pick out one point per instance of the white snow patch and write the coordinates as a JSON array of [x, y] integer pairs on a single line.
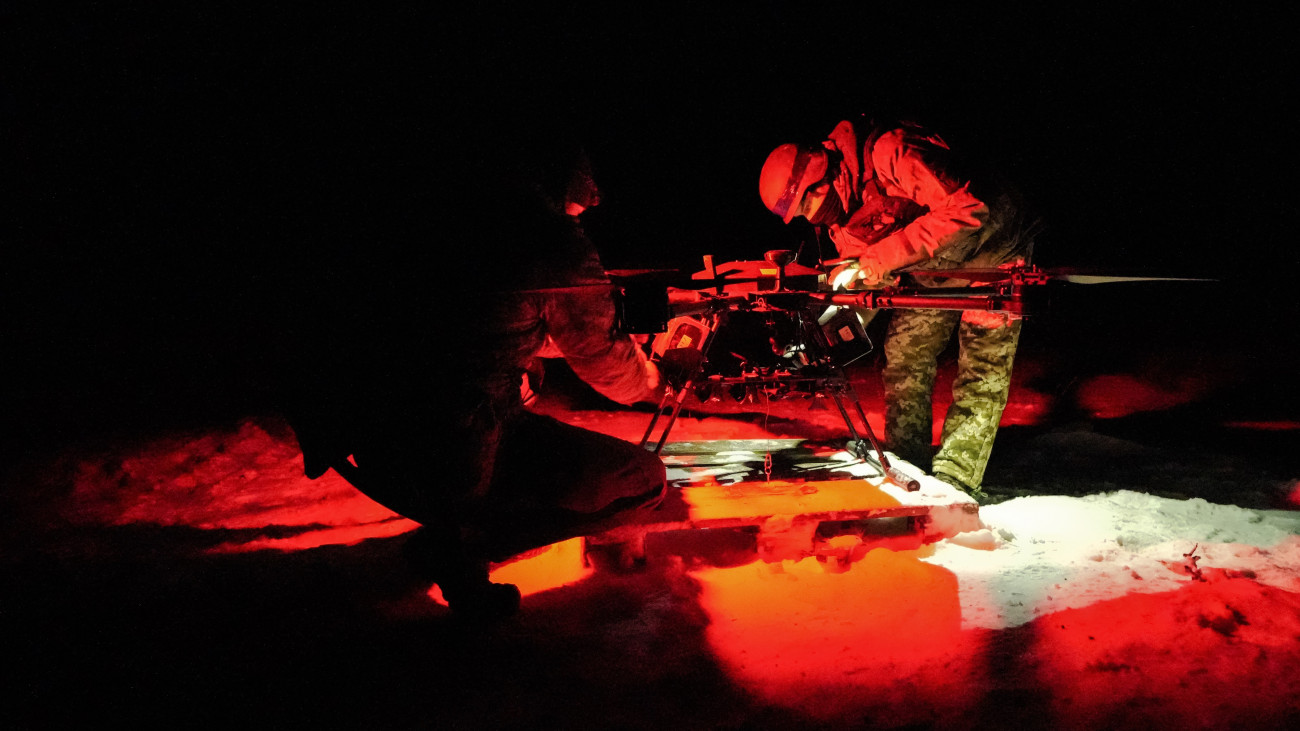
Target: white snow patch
[[1043, 554]]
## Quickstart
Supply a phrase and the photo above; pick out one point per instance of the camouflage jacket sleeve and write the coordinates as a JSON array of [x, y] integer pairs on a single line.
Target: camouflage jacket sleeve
[[581, 323], [919, 168]]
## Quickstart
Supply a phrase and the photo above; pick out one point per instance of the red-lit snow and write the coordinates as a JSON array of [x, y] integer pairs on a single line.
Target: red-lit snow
[[202, 576]]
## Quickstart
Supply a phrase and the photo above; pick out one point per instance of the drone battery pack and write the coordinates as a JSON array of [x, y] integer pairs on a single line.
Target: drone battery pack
[[682, 332], [844, 332]]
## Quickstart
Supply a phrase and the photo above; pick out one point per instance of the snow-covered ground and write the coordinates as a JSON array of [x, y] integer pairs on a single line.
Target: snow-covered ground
[[1049, 553], [199, 578]]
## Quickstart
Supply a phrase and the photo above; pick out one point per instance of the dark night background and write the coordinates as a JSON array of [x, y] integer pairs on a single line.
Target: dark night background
[[167, 165]]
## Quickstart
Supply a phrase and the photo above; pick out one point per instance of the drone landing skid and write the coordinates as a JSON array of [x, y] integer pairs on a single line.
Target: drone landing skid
[[686, 344]]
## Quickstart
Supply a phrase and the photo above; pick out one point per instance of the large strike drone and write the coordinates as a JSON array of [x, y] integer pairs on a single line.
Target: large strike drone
[[799, 328]]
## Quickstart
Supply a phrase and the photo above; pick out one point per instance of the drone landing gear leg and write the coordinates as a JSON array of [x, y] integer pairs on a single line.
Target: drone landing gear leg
[[880, 461], [690, 364], [839, 386], [676, 398]]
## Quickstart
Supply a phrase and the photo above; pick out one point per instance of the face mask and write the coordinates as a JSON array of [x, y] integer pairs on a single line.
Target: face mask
[[831, 211]]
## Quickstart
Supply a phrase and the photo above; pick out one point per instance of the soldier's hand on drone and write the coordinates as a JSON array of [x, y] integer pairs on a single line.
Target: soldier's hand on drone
[[873, 275], [844, 275], [653, 380], [679, 365], [853, 275]]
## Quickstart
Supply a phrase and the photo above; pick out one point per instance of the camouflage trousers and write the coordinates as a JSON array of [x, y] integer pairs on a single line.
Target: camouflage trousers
[[913, 342]]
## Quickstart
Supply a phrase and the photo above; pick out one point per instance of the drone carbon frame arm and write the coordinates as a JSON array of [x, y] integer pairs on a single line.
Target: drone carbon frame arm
[[1008, 299]]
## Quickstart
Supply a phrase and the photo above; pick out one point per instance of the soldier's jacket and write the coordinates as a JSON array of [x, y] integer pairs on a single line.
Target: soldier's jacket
[[434, 331], [913, 206], [554, 287], [574, 307]]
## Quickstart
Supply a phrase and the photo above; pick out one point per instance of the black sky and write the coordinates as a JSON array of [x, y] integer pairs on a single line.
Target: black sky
[[164, 159]]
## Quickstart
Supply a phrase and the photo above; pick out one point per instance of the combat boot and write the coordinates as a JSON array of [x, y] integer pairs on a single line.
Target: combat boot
[[463, 580]]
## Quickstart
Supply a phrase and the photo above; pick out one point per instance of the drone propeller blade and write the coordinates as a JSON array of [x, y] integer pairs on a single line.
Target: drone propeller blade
[[1074, 276], [1101, 279], [970, 275], [671, 277]]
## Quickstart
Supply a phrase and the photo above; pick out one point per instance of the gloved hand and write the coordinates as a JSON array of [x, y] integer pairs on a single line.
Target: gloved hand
[[873, 275], [851, 275], [844, 275], [653, 380], [679, 365]]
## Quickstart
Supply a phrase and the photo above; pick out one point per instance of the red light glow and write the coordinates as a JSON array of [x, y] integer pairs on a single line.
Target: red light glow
[[1264, 425], [828, 639], [867, 628], [1205, 656], [248, 480], [555, 566], [1115, 396]]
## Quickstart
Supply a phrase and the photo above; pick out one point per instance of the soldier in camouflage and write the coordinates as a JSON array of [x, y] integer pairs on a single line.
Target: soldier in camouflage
[[417, 401], [896, 203]]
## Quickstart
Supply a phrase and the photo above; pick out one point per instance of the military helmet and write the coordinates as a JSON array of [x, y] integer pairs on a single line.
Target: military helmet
[[789, 171]]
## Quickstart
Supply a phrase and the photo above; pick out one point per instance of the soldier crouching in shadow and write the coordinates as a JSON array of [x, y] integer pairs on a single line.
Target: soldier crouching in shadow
[[414, 394]]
